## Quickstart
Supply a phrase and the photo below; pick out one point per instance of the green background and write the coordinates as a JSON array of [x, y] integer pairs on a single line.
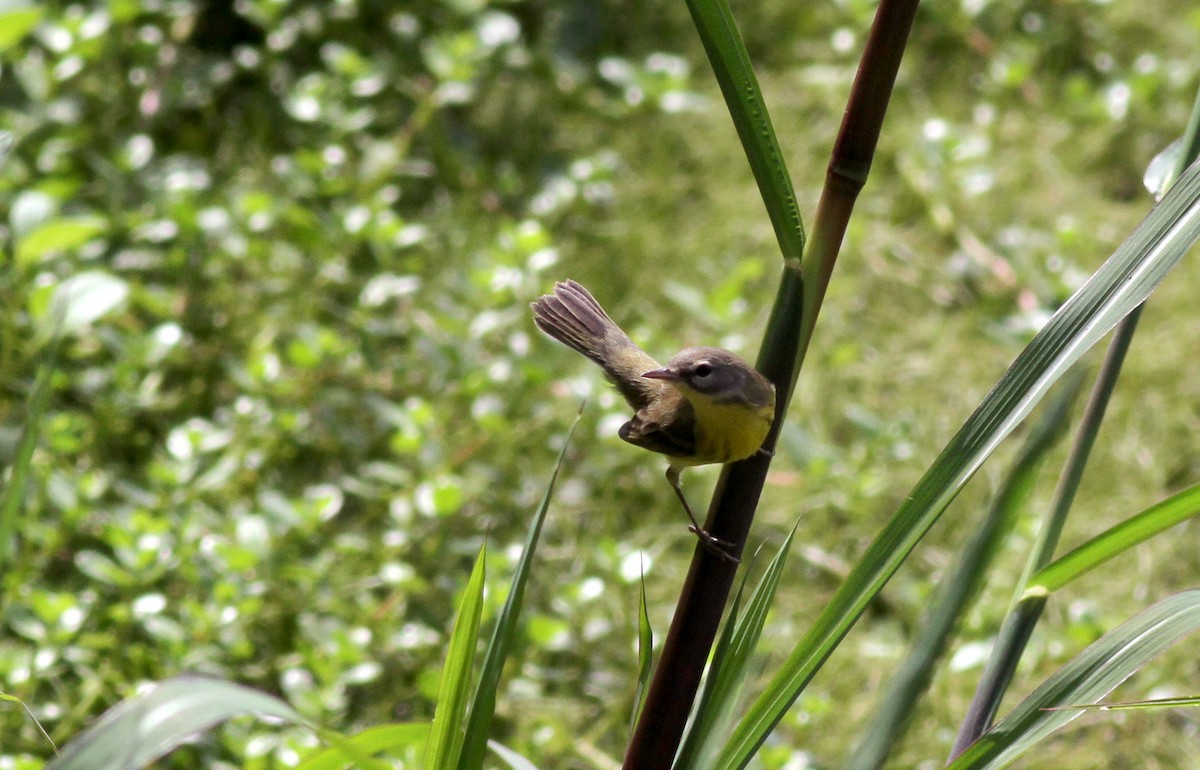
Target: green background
[[300, 385]]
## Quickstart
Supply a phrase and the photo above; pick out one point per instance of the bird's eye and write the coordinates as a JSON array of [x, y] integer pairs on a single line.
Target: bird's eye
[[703, 369]]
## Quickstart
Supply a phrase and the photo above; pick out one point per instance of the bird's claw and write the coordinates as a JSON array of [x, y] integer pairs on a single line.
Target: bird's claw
[[716, 546]]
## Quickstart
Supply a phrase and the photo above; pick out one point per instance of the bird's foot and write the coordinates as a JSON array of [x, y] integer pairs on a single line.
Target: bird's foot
[[722, 549]]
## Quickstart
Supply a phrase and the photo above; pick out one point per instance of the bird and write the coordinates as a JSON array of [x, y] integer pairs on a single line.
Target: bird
[[705, 406]]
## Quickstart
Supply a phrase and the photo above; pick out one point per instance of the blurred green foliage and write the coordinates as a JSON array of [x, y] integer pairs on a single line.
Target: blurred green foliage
[[291, 245]]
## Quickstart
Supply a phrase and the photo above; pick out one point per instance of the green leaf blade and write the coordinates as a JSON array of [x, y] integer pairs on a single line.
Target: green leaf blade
[[411, 735], [446, 736], [731, 663], [140, 730], [645, 653], [957, 589], [1087, 678], [1122, 283], [1116, 541], [739, 85], [483, 705]]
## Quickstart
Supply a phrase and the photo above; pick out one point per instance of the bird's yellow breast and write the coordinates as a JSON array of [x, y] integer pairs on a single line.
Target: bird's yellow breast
[[726, 432]]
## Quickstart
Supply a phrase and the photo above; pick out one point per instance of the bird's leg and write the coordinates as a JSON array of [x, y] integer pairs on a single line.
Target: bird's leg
[[711, 542]]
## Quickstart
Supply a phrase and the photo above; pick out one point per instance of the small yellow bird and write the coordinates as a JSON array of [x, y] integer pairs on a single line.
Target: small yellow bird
[[705, 406]]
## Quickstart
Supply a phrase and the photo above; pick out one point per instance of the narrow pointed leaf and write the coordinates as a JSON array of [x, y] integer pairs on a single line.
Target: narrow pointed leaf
[[138, 731], [12, 497], [731, 64], [373, 740], [446, 736], [732, 663], [483, 705], [694, 739], [1116, 541], [645, 654], [1018, 627], [1090, 676], [4, 698], [1185, 701], [958, 588], [1121, 284]]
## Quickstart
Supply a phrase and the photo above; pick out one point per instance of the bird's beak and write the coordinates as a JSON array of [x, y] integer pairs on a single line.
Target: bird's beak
[[662, 374]]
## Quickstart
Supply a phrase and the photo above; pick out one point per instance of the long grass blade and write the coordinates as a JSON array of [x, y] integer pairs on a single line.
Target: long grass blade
[[13, 495], [958, 588], [731, 64], [483, 705], [4, 698], [373, 740], [1115, 541], [1018, 627], [1184, 701], [446, 736], [731, 665], [1090, 676], [138, 731], [645, 654], [1122, 283], [696, 737]]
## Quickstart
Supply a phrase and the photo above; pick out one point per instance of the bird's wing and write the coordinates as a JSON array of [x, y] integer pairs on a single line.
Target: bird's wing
[[675, 437]]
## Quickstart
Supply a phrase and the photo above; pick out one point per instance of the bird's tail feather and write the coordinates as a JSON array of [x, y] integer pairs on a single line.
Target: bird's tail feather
[[572, 316]]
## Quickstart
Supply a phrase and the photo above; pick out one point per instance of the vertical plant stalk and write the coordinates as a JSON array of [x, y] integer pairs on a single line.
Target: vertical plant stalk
[[1018, 626], [853, 153], [698, 614]]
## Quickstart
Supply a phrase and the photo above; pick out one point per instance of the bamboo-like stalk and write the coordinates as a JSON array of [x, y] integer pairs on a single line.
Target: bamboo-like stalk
[[698, 614]]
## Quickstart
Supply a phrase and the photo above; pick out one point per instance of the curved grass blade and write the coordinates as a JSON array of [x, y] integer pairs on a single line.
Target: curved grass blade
[[446, 735], [1023, 616], [731, 64], [1018, 626], [4, 698], [1090, 676], [13, 496], [1122, 283], [141, 729], [1183, 701], [958, 588], [1115, 541], [645, 654], [483, 705]]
